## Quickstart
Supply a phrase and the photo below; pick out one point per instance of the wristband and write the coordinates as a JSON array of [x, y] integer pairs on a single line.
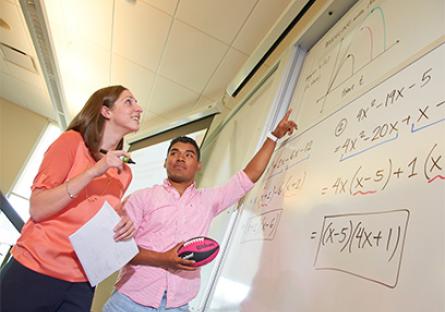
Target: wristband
[[68, 191], [272, 137]]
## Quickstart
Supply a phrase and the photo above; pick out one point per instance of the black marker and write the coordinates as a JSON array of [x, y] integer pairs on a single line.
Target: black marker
[[125, 159]]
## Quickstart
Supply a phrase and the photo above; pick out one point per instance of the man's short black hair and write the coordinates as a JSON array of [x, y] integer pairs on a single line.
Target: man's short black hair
[[185, 139]]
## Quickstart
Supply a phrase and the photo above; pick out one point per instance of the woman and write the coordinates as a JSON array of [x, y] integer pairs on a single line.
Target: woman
[[76, 177]]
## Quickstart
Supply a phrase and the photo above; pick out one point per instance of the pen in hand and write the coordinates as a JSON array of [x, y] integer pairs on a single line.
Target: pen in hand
[[128, 160], [125, 159]]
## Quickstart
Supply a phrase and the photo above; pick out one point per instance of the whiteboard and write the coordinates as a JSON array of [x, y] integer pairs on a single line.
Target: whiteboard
[[222, 159], [350, 215]]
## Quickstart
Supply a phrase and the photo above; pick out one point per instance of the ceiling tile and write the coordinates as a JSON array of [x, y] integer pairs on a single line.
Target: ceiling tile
[[30, 97], [15, 57], [221, 19], [16, 36], [84, 68], [224, 74], [168, 96], [27, 76], [140, 32], [95, 51], [191, 57], [56, 22], [84, 62], [77, 94], [263, 17], [136, 78], [91, 20], [168, 6], [3, 66], [204, 104]]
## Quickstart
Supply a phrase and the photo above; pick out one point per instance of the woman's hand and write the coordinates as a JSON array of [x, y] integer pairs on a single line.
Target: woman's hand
[[112, 159]]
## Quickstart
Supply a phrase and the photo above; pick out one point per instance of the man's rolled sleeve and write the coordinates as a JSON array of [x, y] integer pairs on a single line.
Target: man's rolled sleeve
[[232, 191]]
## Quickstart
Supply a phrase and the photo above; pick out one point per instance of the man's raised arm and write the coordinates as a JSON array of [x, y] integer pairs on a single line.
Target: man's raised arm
[[255, 168]]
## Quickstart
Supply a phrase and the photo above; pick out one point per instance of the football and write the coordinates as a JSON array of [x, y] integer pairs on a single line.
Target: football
[[200, 249]]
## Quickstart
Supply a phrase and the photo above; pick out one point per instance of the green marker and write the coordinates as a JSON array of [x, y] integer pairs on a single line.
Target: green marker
[[125, 159], [128, 160]]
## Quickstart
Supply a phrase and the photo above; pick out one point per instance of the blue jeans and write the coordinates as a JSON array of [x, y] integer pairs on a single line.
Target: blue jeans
[[121, 303]]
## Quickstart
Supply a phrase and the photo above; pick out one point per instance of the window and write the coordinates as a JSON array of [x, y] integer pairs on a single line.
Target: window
[[21, 192]]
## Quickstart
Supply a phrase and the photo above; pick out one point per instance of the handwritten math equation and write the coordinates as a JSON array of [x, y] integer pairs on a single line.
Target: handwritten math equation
[[287, 186], [395, 96], [366, 180], [367, 245], [288, 157], [262, 227], [414, 120]]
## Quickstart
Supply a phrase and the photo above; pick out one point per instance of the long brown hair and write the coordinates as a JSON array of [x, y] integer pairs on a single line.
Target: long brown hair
[[90, 122]]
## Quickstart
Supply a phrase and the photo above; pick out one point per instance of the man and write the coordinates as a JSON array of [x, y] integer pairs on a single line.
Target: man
[[166, 215]]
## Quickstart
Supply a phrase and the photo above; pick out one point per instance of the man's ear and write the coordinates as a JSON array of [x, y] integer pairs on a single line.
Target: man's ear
[[106, 112], [165, 163], [199, 166]]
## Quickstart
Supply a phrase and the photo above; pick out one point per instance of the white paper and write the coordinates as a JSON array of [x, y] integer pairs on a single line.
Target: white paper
[[96, 249]]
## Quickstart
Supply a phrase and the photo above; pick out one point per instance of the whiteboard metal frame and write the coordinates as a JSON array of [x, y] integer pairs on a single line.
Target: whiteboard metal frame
[[294, 60]]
